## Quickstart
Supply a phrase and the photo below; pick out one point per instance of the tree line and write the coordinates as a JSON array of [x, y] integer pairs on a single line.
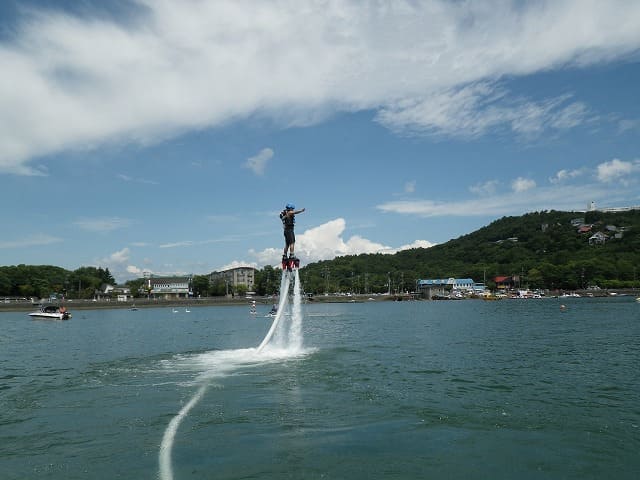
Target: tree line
[[42, 281]]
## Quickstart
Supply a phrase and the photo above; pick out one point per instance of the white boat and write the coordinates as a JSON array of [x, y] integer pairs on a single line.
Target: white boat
[[51, 312]]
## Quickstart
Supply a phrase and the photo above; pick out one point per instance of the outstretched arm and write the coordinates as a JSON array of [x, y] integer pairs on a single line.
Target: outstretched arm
[[299, 211]]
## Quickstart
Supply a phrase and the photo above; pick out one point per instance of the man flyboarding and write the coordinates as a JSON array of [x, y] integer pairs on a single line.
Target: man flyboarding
[[288, 217]]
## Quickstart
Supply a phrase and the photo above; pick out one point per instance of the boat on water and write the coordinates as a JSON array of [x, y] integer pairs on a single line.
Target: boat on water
[[51, 312]]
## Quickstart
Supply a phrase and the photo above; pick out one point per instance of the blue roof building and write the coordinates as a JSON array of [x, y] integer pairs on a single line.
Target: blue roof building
[[441, 286]]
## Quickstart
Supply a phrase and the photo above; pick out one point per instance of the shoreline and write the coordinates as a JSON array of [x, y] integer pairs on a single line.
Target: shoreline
[[73, 304], [139, 303]]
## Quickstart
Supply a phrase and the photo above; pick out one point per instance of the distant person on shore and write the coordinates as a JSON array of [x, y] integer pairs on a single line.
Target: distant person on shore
[[288, 217]]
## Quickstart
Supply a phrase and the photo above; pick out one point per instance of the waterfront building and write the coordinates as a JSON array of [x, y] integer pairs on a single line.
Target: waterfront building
[[234, 277], [169, 288], [441, 287]]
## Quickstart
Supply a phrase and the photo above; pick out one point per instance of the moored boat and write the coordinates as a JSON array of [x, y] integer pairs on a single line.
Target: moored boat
[[51, 312]]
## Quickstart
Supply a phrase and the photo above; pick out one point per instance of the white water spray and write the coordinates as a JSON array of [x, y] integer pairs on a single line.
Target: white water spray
[[284, 301], [289, 342], [295, 329]]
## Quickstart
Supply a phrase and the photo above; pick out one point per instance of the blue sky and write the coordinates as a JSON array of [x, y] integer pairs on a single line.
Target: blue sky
[[166, 136]]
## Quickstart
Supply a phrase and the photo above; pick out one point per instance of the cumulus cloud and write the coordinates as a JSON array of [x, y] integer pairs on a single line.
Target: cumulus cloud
[[121, 269], [486, 188], [135, 271], [327, 241], [258, 163], [565, 175], [121, 256], [616, 170], [430, 67], [238, 264], [117, 264], [520, 184]]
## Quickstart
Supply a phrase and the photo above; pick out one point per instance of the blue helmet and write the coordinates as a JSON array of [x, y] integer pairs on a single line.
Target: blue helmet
[[290, 206]]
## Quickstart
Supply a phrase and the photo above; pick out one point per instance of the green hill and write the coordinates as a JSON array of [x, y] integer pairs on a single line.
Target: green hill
[[545, 249]]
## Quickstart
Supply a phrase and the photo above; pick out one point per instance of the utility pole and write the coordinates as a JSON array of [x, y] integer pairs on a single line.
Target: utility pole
[[326, 280]]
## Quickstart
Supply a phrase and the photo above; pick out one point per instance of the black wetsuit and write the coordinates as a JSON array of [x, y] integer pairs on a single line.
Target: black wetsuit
[[288, 223]]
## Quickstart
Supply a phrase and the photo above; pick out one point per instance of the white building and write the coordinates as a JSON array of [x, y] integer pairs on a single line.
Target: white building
[[169, 287]]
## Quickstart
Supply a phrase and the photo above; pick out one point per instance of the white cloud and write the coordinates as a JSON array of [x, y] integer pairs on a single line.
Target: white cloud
[[565, 175], [475, 109], [430, 67], [127, 178], [184, 243], [556, 197], [134, 271], [628, 125], [410, 187], [102, 225], [616, 170], [486, 188], [327, 241], [121, 256], [140, 244], [237, 264], [117, 264], [258, 163], [31, 241], [520, 184]]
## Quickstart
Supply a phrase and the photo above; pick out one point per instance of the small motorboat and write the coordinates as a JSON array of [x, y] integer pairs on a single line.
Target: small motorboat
[[51, 312]]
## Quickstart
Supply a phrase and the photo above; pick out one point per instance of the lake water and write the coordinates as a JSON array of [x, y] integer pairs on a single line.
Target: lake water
[[394, 390]]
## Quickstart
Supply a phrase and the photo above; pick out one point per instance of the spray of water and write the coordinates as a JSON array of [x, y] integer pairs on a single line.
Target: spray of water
[[282, 310], [295, 329], [283, 340]]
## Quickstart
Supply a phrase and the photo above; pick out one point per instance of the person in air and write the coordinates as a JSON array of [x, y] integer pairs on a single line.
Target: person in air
[[288, 217]]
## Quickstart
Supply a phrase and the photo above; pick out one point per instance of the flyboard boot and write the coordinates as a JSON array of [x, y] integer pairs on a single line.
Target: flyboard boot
[[285, 262], [293, 262]]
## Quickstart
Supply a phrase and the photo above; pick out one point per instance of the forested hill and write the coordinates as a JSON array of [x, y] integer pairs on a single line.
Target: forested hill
[[550, 249]]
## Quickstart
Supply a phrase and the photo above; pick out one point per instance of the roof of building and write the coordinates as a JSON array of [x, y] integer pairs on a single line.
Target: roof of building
[[445, 281], [155, 280], [502, 279]]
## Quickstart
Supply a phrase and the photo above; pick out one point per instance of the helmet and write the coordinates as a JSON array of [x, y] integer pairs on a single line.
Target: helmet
[[290, 206]]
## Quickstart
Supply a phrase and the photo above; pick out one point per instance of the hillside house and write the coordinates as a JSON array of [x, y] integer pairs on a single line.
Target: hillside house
[[109, 292], [504, 282], [598, 238]]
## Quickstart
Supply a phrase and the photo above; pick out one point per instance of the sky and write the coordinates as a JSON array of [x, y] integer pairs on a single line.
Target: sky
[[166, 136]]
